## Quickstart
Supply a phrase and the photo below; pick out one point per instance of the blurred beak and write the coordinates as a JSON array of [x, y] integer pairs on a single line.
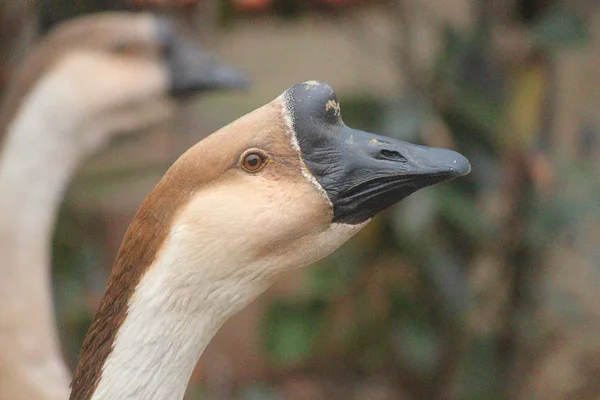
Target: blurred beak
[[192, 68], [362, 173]]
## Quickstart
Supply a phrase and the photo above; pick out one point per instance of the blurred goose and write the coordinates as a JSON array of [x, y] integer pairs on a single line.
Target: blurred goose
[[88, 80], [277, 189]]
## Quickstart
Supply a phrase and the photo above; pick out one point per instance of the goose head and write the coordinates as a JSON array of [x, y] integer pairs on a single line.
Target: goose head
[[277, 189], [104, 74], [287, 184]]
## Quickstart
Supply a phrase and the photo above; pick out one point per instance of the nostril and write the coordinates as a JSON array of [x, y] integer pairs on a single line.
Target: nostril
[[393, 155]]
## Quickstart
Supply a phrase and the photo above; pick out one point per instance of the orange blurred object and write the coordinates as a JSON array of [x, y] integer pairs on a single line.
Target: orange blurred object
[[164, 3], [261, 5], [252, 5], [242, 5]]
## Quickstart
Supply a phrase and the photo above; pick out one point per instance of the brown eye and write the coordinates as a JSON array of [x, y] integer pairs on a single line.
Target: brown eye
[[254, 160]]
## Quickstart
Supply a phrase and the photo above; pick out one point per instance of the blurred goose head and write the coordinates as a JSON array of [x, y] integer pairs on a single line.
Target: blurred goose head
[[103, 74]]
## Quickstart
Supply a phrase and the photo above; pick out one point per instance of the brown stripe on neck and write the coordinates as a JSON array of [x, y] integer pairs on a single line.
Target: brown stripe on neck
[[139, 249], [140, 246]]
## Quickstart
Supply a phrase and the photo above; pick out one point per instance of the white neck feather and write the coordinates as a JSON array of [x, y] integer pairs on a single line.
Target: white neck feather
[[154, 355], [36, 163], [171, 318]]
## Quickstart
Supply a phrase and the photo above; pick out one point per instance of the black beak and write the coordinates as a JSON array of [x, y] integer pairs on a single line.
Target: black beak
[[193, 69], [361, 173]]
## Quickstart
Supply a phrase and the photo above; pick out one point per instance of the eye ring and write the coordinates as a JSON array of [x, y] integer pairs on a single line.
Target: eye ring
[[254, 160]]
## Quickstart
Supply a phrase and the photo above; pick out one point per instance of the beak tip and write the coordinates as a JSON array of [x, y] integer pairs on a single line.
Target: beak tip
[[460, 165], [448, 161]]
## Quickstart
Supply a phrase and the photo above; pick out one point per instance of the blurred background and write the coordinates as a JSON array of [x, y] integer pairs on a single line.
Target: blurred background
[[483, 288]]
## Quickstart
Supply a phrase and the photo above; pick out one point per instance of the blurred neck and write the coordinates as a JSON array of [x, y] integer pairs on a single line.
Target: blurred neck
[[38, 159], [36, 164]]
